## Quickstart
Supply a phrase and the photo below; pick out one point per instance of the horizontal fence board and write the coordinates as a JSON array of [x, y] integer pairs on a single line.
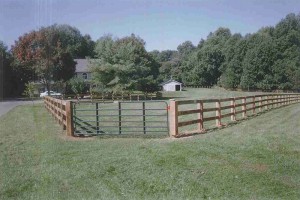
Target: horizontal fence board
[[238, 112], [187, 112], [239, 104], [226, 99], [248, 103], [184, 102], [210, 100], [210, 118], [186, 123], [239, 98], [248, 109], [209, 109], [226, 115], [226, 107]]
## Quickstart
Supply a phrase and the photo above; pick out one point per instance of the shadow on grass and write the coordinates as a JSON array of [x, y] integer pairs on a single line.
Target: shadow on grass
[[109, 136]]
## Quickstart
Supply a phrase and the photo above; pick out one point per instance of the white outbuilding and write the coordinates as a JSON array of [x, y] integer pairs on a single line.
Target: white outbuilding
[[171, 85]]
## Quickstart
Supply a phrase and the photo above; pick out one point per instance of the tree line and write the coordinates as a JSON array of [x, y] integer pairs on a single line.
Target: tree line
[[267, 60]]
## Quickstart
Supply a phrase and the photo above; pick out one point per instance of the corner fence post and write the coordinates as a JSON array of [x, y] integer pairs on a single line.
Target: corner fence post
[[173, 118], [69, 119]]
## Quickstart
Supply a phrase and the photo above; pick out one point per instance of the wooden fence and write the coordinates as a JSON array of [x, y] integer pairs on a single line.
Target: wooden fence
[[184, 113], [61, 110], [125, 96]]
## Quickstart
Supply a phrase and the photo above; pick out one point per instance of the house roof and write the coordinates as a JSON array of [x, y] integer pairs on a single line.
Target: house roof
[[82, 65], [170, 81]]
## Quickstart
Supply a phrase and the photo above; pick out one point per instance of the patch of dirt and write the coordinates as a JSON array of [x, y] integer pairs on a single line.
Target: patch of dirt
[[256, 167], [288, 181]]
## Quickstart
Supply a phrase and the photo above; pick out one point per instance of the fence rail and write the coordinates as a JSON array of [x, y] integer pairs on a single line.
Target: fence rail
[[185, 113], [61, 110]]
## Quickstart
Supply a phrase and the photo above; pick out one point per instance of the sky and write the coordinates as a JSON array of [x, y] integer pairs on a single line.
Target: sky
[[163, 24]]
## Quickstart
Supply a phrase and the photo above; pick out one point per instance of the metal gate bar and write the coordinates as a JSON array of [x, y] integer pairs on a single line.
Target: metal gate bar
[[101, 118]]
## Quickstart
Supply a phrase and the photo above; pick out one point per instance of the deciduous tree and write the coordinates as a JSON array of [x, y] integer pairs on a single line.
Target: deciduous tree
[[42, 51]]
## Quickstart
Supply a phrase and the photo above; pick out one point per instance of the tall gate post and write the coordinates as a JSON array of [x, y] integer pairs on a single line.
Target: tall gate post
[[173, 118], [69, 119]]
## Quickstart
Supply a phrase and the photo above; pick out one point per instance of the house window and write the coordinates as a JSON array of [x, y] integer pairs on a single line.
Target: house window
[[84, 75]]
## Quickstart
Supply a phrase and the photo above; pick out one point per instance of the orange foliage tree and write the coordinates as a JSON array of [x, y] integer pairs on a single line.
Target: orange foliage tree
[[41, 51]]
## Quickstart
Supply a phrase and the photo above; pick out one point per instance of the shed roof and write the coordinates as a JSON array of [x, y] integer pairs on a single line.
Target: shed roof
[[170, 81]]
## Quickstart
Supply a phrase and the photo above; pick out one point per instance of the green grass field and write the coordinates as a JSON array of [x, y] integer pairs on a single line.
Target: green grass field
[[205, 93], [257, 158]]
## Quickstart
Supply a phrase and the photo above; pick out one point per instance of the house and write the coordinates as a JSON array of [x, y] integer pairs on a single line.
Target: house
[[171, 85], [82, 69]]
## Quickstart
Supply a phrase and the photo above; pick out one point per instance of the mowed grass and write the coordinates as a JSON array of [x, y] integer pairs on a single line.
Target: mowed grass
[[205, 93], [255, 159]]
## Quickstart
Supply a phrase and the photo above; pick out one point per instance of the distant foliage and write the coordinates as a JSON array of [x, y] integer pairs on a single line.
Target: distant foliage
[[77, 85], [47, 55], [266, 60], [29, 89]]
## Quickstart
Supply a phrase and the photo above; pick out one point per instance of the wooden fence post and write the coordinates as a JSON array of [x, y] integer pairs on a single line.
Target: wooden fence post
[[173, 118], [270, 101], [260, 103], [266, 102], [218, 114], [200, 116], [61, 114], [278, 100], [233, 110], [69, 119], [244, 114], [253, 105]]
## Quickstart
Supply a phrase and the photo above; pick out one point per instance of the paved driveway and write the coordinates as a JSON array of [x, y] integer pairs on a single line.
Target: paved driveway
[[6, 106]]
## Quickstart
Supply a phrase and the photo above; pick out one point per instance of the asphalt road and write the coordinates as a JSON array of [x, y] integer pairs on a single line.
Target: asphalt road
[[6, 106]]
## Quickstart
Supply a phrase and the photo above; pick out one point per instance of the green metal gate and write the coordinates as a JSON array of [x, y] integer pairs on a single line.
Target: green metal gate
[[126, 117]]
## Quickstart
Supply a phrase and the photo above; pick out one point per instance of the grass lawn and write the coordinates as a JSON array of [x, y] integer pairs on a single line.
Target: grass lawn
[[205, 93], [255, 159]]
